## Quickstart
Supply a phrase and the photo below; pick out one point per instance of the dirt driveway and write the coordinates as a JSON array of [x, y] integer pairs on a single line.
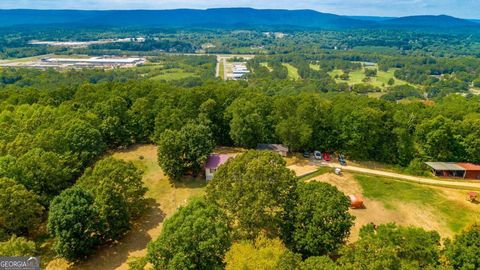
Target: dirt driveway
[[375, 211]]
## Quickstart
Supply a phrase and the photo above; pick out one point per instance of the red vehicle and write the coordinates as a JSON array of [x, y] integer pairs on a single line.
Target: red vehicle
[[326, 156]]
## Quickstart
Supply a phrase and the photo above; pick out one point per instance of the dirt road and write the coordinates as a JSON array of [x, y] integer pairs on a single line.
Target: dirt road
[[421, 180]]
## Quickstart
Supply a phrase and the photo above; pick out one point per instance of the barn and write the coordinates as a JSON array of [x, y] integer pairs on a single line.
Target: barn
[[453, 169], [472, 171]]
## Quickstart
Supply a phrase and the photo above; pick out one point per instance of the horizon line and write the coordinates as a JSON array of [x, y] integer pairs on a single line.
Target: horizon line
[[186, 8]]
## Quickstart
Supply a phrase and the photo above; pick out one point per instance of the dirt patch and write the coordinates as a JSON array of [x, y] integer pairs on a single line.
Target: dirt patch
[[376, 212]]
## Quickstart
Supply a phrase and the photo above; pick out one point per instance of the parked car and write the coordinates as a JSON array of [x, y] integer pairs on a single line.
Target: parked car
[[306, 154], [341, 160], [317, 155], [326, 156]]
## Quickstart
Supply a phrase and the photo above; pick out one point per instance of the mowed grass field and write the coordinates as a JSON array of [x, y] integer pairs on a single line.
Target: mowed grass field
[[173, 74], [292, 71], [357, 76]]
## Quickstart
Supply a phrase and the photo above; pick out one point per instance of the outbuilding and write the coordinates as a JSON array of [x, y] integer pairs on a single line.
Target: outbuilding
[[472, 171], [279, 148], [213, 162], [446, 169]]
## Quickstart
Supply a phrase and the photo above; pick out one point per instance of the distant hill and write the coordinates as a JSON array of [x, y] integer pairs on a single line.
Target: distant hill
[[221, 17], [442, 21], [226, 18]]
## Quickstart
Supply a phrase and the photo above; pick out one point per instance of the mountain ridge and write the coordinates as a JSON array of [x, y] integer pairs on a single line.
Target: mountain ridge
[[225, 18]]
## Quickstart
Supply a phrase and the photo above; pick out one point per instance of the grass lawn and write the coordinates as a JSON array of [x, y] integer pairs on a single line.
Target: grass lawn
[[320, 171], [221, 70], [315, 67], [292, 71], [448, 205], [173, 74], [265, 64], [357, 76]]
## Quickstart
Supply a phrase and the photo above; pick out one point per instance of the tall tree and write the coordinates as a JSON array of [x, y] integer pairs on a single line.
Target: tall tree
[[255, 190], [20, 211], [186, 149], [321, 221], [464, 251], [195, 237], [74, 221]]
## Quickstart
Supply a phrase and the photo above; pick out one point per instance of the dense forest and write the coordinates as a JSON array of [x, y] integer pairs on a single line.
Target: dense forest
[[57, 126]]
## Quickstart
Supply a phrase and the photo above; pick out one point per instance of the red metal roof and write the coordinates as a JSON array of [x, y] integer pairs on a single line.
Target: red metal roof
[[469, 166]]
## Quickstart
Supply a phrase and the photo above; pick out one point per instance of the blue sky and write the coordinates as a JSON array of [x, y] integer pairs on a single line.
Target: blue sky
[[458, 8]]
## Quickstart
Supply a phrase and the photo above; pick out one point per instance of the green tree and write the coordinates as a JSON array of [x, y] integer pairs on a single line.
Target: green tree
[[318, 262], [18, 246], [321, 221], [463, 252], [370, 72], [261, 254], [84, 141], [119, 194], [391, 81], [186, 149], [44, 173], [195, 237], [255, 190], [20, 211], [250, 122], [294, 133], [391, 247], [74, 222]]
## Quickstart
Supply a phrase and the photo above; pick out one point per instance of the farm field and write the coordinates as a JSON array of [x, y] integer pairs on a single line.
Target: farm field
[[387, 200]]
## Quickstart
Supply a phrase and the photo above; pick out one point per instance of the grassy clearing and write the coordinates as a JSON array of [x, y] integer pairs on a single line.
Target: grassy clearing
[[164, 197], [320, 171], [450, 207], [357, 76], [221, 70], [315, 67], [265, 64], [292, 71], [173, 74]]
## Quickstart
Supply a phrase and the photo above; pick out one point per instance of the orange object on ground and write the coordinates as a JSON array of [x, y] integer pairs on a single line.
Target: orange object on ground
[[356, 201]]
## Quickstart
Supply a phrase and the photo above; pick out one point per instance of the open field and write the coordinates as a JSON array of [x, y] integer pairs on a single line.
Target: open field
[[264, 64], [357, 76], [173, 74], [387, 200], [164, 199], [292, 71]]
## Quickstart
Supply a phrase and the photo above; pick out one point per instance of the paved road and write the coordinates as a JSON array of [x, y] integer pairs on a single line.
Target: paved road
[[411, 178]]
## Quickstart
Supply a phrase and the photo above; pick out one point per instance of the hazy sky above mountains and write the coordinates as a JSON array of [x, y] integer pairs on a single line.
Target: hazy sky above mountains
[[458, 8]]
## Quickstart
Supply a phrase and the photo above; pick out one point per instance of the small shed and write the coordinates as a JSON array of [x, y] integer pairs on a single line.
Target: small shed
[[356, 201], [279, 148], [213, 162], [472, 171], [446, 169]]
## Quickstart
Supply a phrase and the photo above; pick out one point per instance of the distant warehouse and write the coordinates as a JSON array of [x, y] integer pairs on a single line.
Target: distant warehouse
[[452, 169], [94, 61]]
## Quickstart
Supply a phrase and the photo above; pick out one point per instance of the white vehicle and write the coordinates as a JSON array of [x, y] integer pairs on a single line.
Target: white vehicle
[[317, 155]]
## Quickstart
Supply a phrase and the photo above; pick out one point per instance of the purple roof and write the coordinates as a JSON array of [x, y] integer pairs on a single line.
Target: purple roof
[[214, 161]]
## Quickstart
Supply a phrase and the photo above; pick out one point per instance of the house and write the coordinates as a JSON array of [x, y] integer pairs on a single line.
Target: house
[[213, 162], [279, 148]]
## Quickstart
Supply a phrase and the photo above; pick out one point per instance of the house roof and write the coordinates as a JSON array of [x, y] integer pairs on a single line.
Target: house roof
[[273, 147], [445, 166], [215, 160], [469, 166]]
